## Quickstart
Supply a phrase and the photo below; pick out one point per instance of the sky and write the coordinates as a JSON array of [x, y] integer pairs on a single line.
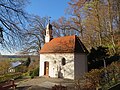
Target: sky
[[52, 8]]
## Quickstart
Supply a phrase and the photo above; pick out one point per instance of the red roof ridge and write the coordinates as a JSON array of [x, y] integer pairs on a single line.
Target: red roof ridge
[[64, 37], [66, 44]]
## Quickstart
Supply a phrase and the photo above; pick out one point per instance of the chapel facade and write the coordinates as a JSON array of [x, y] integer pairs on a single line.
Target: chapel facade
[[62, 57]]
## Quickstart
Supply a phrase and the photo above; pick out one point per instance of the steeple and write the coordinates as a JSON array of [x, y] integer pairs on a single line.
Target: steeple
[[48, 35]]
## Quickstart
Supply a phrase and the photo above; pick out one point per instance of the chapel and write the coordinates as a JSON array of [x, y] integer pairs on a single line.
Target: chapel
[[62, 57]]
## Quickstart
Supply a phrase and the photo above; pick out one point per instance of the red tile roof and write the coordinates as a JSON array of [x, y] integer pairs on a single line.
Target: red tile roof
[[67, 44]]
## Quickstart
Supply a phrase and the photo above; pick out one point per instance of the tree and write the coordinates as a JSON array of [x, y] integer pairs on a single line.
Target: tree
[[27, 62], [63, 27], [4, 66], [12, 20], [35, 35], [96, 57], [97, 20], [33, 68]]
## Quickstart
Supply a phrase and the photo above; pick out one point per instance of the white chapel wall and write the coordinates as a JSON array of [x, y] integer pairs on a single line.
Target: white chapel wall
[[55, 64], [80, 65]]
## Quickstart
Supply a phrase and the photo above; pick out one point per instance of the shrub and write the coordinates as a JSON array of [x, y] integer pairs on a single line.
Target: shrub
[[32, 76], [59, 87], [101, 78], [10, 76], [93, 77], [36, 71]]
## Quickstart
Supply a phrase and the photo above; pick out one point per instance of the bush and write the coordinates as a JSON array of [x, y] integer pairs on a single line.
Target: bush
[[35, 72], [32, 76], [30, 73], [101, 78], [93, 77], [10, 76], [59, 87]]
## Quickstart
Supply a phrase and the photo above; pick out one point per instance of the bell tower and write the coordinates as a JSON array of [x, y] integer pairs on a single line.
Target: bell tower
[[48, 35]]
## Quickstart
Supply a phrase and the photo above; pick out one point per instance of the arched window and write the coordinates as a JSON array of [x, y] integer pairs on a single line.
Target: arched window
[[63, 61]]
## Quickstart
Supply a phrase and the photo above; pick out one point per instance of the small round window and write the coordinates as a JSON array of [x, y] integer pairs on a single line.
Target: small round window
[[63, 61]]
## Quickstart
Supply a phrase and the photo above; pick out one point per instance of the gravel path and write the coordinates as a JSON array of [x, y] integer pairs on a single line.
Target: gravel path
[[43, 83]]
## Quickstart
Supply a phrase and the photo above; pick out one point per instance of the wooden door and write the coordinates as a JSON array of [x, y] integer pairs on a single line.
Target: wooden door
[[46, 68]]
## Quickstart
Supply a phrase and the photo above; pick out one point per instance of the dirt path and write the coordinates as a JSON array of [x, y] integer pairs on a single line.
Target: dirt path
[[44, 83]]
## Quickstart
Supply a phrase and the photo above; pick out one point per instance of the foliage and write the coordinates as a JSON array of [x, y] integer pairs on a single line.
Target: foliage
[[34, 72], [21, 68], [27, 62], [96, 20], [114, 71], [93, 77], [33, 65], [112, 59], [30, 71], [96, 57], [59, 87], [10, 76], [32, 76], [101, 78], [17, 59], [4, 66], [100, 57]]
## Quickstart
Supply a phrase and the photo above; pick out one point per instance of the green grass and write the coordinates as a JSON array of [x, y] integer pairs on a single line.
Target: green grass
[[17, 59]]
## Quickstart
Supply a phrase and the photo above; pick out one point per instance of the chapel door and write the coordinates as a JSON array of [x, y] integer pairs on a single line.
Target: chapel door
[[46, 68]]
